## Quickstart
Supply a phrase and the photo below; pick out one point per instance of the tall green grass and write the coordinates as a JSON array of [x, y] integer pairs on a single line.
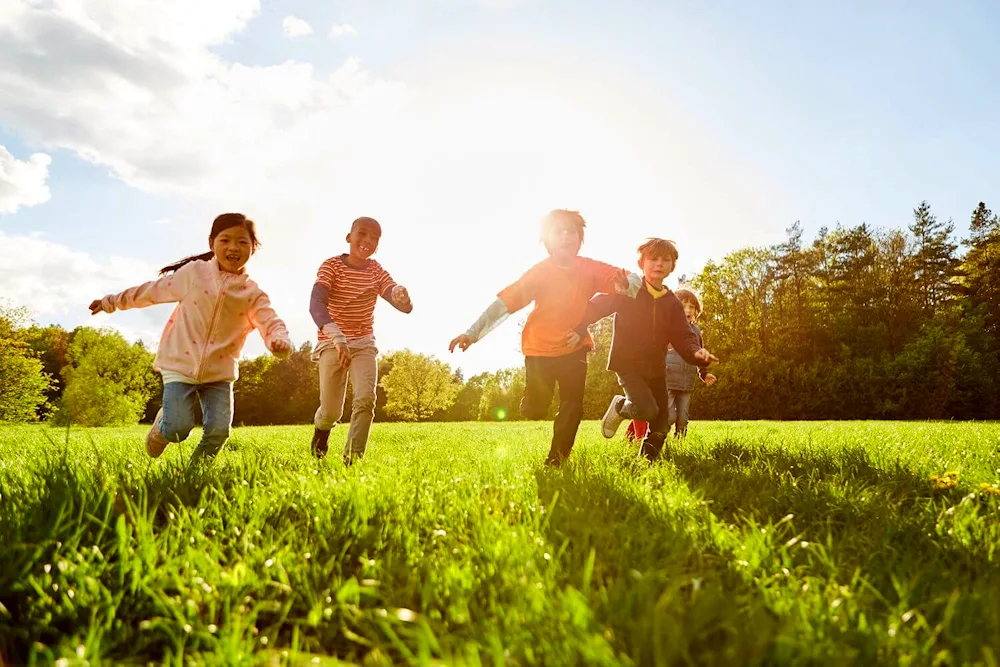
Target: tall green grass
[[753, 543]]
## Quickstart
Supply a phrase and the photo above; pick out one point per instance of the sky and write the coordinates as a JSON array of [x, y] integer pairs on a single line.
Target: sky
[[126, 126]]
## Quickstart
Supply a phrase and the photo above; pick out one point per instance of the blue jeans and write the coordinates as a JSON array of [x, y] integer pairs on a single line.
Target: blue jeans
[[680, 403], [216, 415]]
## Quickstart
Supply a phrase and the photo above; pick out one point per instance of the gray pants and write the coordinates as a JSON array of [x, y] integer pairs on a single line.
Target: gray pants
[[679, 402], [363, 373]]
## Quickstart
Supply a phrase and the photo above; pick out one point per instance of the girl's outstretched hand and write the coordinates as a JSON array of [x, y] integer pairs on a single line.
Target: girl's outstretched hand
[[461, 342], [96, 307]]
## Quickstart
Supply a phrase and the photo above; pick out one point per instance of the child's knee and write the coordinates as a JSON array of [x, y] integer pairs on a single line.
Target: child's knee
[[645, 411], [533, 411], [175, 428], [363, 402]]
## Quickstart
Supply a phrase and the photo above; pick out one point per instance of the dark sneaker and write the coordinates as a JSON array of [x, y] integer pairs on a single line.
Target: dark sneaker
[[320, 443]]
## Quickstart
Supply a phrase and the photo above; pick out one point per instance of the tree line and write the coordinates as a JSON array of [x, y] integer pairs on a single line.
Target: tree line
[[858, 323]]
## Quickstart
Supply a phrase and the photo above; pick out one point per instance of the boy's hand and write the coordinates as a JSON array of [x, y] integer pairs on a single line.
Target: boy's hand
[[343, 354], [401, 297], [573, 339], [710, 380], [280, 347], [96, 307], [705, 355], [461, 342]]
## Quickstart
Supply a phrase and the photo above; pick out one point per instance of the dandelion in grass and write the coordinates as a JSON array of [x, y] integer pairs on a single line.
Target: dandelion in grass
[[990, 489], [946, 481]]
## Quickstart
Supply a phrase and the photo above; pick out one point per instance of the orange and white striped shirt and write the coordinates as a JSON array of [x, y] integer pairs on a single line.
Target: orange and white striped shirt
[[352, 295]]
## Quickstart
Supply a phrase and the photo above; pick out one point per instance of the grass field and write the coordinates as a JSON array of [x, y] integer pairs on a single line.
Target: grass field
[[754, 543]]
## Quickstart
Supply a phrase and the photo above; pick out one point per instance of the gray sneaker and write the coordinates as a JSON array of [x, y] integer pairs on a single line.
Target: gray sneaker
[[612, 418]]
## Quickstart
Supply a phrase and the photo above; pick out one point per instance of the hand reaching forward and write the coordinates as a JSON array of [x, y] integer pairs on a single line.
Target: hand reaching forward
[[710, 380], [461, 342], [705, 355], [401, 298]]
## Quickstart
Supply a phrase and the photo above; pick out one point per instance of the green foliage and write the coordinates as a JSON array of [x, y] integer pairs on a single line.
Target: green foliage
[[108, 381], [23, 383], [755, 544], [418, 386]]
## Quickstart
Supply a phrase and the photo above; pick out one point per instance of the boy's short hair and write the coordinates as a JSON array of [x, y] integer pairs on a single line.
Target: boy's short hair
[[685, 294], [656, 248], [562, 215], [366, 219]]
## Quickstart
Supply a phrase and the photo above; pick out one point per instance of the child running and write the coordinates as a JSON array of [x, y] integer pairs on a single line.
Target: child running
[[643, 328], [217, 307], [560, 286], [680, 376], [343, 307]]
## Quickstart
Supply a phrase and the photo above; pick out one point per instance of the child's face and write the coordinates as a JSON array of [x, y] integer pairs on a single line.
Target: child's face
[[690, 310], [363, 238], [656, 269], [562, 239], [232, 248]]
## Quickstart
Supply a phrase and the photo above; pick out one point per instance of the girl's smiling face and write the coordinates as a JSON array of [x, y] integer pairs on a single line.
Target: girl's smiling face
[[232, 248]]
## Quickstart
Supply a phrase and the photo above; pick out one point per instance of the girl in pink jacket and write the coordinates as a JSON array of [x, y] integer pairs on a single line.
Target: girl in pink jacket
[[217, 307]]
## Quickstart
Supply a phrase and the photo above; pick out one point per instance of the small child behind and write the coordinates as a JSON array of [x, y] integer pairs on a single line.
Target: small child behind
[[343, 307], [217, 307]]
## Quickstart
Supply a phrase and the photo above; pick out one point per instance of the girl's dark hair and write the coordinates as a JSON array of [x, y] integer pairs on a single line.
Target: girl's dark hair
[[219, 225]]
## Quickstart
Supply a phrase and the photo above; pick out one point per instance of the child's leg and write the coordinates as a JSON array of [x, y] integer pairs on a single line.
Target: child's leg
[[637, 404], [539, 385], [570, 371], [682, 404], [332, 387], [672, 410], [364, 380], [659, 425], [177, 417], [216, 418]]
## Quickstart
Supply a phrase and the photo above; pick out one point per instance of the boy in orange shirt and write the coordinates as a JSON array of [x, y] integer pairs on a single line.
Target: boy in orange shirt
[[561, 287]]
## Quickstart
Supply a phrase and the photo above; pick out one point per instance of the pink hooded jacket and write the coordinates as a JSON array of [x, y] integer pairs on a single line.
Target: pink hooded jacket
[[215, 312]]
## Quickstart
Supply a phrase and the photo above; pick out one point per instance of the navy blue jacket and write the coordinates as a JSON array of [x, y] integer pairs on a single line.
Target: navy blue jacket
[[644, 327]]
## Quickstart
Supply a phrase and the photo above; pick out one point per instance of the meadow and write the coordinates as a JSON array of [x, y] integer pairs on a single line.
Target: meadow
[[753, 543]]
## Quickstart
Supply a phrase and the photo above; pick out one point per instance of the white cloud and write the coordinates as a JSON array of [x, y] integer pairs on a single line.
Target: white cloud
[[459, 168], [293, 26], [23, 183], [57, 283], [342, 30]]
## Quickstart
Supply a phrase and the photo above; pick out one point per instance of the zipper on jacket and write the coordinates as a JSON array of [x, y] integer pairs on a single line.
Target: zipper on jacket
[[211, 325]]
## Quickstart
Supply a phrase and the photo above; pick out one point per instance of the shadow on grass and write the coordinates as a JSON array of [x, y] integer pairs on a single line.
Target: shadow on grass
[[658, 589]]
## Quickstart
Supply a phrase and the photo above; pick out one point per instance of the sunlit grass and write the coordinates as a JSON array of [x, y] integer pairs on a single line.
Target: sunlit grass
[[755, 542]]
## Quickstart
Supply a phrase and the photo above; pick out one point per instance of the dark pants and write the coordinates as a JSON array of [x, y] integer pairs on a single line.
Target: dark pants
[[541, 374], [646, 399]]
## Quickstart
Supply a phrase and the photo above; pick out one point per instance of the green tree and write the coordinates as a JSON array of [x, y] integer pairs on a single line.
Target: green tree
[[23, 382], [501, 397], [50, 344], [108, 381], [418, 386], [981, 268], [935, 260]]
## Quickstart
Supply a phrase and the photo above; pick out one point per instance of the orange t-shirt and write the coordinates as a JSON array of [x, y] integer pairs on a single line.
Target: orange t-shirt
[[561, 296]]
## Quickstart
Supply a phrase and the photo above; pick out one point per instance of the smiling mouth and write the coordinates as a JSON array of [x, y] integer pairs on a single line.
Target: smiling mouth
[[365, 248], [233, 257]]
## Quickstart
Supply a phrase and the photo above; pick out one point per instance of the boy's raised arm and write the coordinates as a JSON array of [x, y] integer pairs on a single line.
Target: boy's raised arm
[[598, 308]]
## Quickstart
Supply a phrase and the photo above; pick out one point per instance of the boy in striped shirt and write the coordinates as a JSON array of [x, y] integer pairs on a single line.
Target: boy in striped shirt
[[343, 306]]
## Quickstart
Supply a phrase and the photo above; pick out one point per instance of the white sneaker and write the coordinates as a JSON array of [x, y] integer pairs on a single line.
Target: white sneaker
[[155, 442], [612, 418]]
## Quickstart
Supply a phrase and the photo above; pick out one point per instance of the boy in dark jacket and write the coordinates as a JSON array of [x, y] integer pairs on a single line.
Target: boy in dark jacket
[[644, 327]]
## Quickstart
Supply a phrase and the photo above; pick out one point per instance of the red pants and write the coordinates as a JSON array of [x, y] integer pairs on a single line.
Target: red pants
[[636, 430]]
